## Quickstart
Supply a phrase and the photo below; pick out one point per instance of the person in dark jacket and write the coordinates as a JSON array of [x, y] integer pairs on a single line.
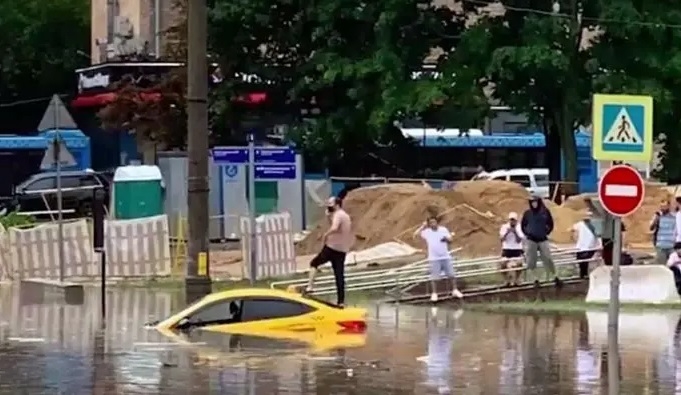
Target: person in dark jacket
[[537, 225]]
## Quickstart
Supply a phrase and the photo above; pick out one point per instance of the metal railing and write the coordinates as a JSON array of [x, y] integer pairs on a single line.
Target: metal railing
[[398, 280]]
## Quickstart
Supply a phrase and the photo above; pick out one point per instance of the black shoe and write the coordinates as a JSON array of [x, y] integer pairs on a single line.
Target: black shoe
[[558, 282]]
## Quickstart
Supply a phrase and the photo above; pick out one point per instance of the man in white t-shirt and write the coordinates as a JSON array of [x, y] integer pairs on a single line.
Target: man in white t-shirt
[[587, 243], [437, 239], [511, 250]]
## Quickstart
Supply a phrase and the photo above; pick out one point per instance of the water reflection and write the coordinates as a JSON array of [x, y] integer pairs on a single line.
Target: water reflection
[[408, 350]]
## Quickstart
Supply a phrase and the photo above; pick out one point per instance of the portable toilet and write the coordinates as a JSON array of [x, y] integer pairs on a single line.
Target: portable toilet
[[137, 192]]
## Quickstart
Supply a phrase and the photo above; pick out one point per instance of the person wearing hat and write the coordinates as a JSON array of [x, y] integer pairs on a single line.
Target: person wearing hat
[[587, 242], [337, 241], [511, 250]]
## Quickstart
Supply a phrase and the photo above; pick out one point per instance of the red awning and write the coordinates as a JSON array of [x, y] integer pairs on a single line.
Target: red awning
[[103, 99]]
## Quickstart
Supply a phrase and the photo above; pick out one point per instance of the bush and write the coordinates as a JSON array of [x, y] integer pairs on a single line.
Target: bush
[[14, 219]]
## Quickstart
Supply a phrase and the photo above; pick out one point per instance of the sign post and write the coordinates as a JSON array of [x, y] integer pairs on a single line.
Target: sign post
[[621, 191], [264, 164], [622, 132]]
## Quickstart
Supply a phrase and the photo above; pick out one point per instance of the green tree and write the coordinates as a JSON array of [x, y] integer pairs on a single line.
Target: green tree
[[354, 59], [43, 43], [639, 46], [538, 63]]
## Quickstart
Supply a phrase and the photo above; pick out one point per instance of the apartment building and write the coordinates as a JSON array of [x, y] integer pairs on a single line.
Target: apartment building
[[129, 29]]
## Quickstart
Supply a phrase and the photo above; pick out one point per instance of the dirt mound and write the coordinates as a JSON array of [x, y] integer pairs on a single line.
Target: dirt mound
[[474, 210], [637, 224]]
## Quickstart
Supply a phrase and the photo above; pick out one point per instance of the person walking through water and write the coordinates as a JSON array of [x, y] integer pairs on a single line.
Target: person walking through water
[[337, 242], [537, 225], [438, 239]]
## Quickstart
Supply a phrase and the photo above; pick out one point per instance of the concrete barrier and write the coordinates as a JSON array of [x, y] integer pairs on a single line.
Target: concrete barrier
[[650, 331], [39, 290], [638, 284]]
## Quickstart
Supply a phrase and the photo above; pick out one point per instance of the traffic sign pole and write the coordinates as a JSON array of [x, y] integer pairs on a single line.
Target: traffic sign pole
[[252, 256], [621, 191], [614, 310]]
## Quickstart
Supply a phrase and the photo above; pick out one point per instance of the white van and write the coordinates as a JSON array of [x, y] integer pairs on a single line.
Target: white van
[[536, 181]]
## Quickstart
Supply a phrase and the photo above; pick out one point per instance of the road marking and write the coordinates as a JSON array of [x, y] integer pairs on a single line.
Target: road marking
[[621, 190]]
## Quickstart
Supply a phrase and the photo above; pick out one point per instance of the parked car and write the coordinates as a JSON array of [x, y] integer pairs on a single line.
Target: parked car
[[536, 181], [38, 193]]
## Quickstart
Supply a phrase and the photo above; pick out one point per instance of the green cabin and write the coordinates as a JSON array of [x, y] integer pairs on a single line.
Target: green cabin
[[138, 192]]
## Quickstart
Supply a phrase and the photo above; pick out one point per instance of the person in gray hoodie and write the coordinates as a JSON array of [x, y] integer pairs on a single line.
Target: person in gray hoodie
[[537, 225]]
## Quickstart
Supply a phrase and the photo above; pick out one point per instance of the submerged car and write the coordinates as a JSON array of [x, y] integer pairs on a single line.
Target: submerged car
[[266, 312]]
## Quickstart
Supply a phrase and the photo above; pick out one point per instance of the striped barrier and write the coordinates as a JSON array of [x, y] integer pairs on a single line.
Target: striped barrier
[[34, 252], [138, 247], [74, 326], [135, 248], [275, 253]]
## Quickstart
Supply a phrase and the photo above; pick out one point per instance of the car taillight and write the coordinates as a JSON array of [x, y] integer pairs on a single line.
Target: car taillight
[[352, 326]]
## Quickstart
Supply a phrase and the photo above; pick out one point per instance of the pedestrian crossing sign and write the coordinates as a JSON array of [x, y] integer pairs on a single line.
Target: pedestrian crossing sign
[[622, 128]]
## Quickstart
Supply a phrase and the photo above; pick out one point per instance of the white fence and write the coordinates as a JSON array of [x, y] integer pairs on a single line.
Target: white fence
[[135, 248], [138, 247], [275, 253]]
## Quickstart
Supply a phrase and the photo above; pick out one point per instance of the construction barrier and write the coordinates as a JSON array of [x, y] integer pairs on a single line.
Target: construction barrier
[[275, 253], [34, 252], [399, 280], [650, 331], [74, 326], [138, 247], [638, 284]]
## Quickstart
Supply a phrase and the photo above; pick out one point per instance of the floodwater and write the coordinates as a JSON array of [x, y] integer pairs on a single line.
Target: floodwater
[[58, 349]]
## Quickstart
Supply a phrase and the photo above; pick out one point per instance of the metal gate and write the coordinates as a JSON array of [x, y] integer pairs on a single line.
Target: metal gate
[[399, 280]]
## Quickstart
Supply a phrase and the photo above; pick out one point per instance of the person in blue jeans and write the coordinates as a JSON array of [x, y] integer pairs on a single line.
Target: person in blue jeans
[[438, 238], [663, 227]]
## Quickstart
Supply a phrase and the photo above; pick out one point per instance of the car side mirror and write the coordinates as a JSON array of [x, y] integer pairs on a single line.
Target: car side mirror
[[183, 323]]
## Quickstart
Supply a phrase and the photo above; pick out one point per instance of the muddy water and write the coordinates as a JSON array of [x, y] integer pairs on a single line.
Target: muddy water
[[56, 349]]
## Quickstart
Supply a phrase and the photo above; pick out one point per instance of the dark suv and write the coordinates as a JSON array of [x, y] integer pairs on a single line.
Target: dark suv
[[38, 193]]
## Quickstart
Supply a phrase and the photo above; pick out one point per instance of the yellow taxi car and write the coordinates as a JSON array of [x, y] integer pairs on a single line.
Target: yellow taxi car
[[268, 313], [220, 345]]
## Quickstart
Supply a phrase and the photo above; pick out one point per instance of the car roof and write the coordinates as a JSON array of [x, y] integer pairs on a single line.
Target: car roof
[[521, 171], [259, 292]]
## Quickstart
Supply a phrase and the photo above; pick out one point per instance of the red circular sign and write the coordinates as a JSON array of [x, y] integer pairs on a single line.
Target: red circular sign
[[621, 190]]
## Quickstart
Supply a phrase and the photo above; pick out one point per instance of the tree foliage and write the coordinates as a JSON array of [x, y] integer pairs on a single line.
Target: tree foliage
[[355, 59], [42, 42]]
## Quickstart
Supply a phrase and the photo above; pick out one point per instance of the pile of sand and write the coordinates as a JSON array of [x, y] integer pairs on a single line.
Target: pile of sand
[[474, 210], [638, 223]]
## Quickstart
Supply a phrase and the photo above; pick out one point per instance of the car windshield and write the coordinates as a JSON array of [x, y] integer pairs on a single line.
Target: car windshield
[[542, 180]]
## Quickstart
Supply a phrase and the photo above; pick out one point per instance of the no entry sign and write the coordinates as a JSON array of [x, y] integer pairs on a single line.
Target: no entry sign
[[621, 190]]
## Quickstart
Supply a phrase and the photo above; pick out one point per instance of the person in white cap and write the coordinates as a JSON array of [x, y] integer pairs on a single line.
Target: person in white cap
[[587, 242], [511, 250]]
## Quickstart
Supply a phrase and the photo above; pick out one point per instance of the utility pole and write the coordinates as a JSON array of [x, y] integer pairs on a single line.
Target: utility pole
[[197, 279]]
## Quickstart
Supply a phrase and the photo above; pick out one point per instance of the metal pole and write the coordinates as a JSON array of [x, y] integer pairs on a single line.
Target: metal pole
[[613, 311], [197, 284], [60, 215], [252, 255]]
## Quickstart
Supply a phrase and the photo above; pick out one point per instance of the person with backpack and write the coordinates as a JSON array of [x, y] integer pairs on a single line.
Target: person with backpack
[[587, 243], [663, 226]]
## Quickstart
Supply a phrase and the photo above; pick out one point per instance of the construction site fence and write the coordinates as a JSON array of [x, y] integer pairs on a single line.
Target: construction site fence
[[135, 248], [398, 279]]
